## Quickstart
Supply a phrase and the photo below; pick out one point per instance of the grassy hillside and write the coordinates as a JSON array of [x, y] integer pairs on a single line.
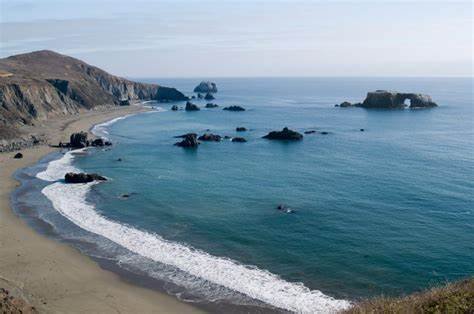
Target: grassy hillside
[[456, 297]]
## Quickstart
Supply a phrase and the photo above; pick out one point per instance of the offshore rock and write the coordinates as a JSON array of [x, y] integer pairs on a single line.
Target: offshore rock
[[72, 177], [285, 134], [209, 137], [191, 107], [234, 108], [189, 141], [206, 87], [393, 100]]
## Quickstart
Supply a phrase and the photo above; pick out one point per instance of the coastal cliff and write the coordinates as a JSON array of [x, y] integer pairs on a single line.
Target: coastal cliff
[[40, 85]]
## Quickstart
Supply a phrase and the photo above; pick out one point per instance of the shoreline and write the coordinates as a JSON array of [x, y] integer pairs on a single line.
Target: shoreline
[[55, 277]]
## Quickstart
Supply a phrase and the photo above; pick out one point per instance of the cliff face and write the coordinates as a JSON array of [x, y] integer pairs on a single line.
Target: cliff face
[[44, 84]]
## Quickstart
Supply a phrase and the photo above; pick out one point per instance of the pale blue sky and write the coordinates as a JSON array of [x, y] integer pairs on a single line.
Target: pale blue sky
[[188, 38]]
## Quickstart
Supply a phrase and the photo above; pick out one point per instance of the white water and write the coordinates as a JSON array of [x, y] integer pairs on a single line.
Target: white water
[[70, 201]]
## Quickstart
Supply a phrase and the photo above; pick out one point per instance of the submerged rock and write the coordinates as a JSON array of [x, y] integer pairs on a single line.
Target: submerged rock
[[98, 142], [310, 132], [345, 104], [285, 134], [206, 87], [185, 135], [174, 108], [285, 209], [234, 108], [209, 137], [240, 129], [72, 177], [239, 140], [78, 140], [189, 141], [18, 156], [191, 107]]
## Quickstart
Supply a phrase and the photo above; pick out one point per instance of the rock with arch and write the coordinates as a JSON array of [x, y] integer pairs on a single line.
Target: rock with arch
[[393, 100]]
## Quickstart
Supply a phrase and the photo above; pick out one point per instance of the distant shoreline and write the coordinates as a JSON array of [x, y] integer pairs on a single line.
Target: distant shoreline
[[52, 276]]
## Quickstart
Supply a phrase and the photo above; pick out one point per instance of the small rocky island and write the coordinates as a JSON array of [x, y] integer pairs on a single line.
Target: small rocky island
[[206, 87], [383, 99], [189, 141], [72, 177], [284, 135], [191, 107], [234, 108]]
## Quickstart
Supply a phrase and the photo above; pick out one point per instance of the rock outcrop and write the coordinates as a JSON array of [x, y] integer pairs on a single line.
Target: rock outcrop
[[393, 100], [234, 108], [81, 177], [206, 87], [209, 137], [45, 84], [240, 129], [18, 156], [174, 108], [209, 97], [78, 140], [285, 134], [191, 107], [211, 105], [239, 140], [189, 141]]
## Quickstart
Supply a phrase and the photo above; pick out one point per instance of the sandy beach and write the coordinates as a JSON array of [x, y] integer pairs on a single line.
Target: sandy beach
[[52, 276]]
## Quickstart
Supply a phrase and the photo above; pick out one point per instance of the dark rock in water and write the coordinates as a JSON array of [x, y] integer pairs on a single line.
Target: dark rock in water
[[393, 100], [72, 177], [193, 97], [125, 196], [239, 140], [191, 107], [78, 140], [208, 137], [240, 129], [174, 108], [211, 105], [324, 133], [362, 130], [336, 105], [185, 135], [200, 96], [285, 134], [209, 97], [98, 142], [18, 156], [345, 104], [119, 159], [285, 209], [227, 137], [189, 141], [234, 108], [206, 87], [309, 132]]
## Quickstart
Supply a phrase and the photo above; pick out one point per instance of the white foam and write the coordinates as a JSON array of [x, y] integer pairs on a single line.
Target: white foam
[[69, 200], [101, 128], [56, 169]]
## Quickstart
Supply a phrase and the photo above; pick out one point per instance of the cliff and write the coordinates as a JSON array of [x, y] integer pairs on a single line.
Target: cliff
[[44, 84]]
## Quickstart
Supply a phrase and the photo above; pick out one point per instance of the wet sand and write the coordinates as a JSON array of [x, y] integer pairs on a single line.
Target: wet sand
[[52, 276]]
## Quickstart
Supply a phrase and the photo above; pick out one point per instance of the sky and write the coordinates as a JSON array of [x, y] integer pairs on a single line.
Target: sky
[[266, 38]]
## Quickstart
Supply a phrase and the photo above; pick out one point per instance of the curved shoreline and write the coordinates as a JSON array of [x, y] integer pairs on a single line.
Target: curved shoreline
[[55, 277], [298, 298]]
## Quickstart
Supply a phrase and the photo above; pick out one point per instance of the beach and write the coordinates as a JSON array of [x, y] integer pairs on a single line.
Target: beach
[[54, 277]]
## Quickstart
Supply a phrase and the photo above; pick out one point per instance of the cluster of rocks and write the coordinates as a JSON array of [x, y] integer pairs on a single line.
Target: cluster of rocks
[[191, 140], [211, 105], [80, 140], [240, 129], [81, 177], [209, 137], [9, 145], [382, 99], [14, 304]]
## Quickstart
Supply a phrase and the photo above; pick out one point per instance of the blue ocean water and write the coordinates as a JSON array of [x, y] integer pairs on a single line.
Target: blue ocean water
[[384, 211]]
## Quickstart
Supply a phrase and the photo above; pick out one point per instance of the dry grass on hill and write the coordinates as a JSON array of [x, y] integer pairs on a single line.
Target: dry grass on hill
[[456, 297]]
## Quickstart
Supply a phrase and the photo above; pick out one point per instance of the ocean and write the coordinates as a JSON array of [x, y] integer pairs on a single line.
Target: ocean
[[387, 210]]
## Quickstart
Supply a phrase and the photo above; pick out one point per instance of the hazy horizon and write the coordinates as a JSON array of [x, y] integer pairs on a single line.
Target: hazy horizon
[[196, 39]]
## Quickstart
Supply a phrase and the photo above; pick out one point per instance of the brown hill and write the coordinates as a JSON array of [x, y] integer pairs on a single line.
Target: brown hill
[[44, 84]]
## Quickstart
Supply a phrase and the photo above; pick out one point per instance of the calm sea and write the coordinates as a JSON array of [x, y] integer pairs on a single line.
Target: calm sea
[[384, 211]]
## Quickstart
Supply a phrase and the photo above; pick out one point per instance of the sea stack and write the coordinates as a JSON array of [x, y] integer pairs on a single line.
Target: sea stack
[[284, 135], [206, 87], [395, 100]]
